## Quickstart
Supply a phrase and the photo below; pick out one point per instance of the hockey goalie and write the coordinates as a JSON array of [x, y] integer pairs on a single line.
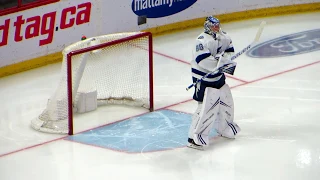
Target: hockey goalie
[[213, 49]]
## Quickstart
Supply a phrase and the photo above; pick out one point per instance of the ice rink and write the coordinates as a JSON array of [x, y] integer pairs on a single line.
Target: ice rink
[[276, 91]]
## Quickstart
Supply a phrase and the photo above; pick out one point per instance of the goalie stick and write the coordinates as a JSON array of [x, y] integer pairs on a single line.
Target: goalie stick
[[227, 66]]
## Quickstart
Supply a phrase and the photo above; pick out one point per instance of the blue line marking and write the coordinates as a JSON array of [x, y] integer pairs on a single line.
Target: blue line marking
[[154, 131]]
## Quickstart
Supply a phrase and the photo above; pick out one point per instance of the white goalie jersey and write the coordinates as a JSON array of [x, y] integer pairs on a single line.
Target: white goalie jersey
[[206, 54]]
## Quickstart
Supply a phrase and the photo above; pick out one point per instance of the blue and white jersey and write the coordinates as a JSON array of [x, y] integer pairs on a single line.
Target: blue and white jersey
[[205, 50]]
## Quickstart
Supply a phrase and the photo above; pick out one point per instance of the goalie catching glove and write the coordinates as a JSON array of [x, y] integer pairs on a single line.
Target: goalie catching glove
[[225, 63]]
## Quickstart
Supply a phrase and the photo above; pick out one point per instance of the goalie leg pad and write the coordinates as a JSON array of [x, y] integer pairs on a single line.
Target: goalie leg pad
[[226, 101], [207, 116], [224, 125], [231, 130], [194, 121]]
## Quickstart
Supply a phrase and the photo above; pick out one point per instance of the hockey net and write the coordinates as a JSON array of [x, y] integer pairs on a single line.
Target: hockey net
[[109, 69]]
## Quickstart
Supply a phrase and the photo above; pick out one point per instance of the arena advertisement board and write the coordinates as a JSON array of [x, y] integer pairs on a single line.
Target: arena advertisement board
[[157, 8], [29, 34], [154, 13], [49, 29], [45, 24]]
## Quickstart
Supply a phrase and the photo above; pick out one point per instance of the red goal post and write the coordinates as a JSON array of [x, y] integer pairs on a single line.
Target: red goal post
[[110, 69]]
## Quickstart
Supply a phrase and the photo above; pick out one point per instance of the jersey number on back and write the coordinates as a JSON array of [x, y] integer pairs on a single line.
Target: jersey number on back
[[199, 47]]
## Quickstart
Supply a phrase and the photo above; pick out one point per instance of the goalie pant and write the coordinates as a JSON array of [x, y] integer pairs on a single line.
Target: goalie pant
[[216, 111]]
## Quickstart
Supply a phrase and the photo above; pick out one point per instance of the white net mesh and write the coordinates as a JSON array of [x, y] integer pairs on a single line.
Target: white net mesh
[[119, 73]]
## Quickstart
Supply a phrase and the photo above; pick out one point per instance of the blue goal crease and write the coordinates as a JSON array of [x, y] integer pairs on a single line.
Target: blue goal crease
[[154, 131]]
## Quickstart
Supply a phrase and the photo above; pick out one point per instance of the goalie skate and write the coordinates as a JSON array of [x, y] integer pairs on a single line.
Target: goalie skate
[[192, 144]]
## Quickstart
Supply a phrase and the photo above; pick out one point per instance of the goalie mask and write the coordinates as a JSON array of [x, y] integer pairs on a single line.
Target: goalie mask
[[211, 25]]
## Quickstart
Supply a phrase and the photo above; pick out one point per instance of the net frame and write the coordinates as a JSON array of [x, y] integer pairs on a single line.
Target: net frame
[[97, 47]]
